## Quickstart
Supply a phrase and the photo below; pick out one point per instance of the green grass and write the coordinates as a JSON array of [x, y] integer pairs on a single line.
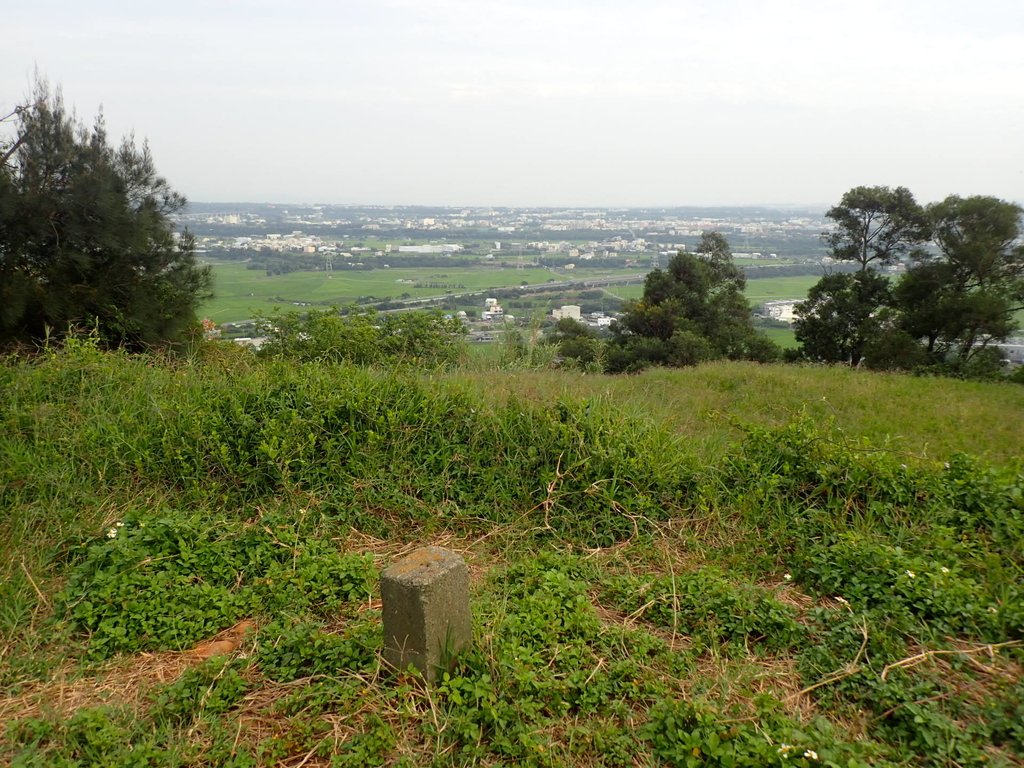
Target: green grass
[[759, 290], [631, 292], [930, 418], [784, 337], [763, 289], [656, 564]]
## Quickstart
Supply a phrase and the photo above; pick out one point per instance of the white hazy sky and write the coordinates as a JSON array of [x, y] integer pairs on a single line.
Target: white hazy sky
[[553, 102]]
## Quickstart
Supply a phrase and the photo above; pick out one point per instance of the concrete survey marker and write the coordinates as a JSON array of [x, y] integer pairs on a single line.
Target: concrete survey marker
[[426, 610]]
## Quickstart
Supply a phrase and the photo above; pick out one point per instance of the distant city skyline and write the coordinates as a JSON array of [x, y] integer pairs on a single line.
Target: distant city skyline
[[557, 103]]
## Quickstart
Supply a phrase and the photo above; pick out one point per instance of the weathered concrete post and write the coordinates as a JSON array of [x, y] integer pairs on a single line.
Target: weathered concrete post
[[426, 610]]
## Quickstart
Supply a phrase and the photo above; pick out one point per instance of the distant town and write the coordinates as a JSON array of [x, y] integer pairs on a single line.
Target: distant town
[[581, 247], [588, 259], [583, 233]]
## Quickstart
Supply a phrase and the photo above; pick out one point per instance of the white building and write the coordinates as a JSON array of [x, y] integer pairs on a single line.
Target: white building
[[492, 310], [782, 310], [571, 311]]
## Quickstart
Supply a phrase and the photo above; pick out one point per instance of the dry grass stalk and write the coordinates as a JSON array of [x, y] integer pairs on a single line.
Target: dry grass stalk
[[919, 658], [124, 681]]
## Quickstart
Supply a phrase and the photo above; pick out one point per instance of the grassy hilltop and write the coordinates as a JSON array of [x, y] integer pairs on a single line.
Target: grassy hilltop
[[732, 565]]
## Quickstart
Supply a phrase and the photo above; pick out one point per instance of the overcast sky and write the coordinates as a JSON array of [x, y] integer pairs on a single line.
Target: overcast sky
[[553, 102]]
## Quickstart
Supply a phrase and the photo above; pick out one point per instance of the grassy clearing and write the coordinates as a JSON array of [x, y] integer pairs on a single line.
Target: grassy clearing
[[191, 551]]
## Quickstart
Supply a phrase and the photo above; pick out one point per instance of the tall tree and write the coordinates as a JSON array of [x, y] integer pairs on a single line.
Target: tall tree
[[693, 310], [841, 316], [875, 225], [965, 297], [86, 235]]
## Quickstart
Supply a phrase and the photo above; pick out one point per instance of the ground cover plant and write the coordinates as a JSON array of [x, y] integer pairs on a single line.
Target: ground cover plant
[[192, 546]]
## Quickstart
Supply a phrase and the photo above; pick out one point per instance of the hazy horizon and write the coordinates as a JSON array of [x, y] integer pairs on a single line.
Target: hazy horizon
[[553, 206], [563, 103]]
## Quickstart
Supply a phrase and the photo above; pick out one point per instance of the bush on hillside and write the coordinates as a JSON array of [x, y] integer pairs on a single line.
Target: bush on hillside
[[365, 338]]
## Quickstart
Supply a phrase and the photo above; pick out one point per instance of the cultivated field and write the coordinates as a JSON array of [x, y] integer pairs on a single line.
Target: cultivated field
[[759, 289], [241, 292]]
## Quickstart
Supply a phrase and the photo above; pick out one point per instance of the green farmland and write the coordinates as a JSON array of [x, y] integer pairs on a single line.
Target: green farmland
[[241, 292], [759, 289]]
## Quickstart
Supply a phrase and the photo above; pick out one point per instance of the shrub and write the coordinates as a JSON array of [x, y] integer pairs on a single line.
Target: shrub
[[423, 339]]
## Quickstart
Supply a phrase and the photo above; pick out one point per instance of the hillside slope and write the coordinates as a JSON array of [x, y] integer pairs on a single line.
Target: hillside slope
[[732, 565]]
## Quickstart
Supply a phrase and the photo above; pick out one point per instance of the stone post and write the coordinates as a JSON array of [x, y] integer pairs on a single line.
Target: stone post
[[426, 610]]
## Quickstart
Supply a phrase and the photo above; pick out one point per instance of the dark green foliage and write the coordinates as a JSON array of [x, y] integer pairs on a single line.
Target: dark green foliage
[[1005, 716], [895, 350], [691, 312], [949, 308], [710, 608], [578, 345], [872, 575], [86, 238], [209, 690], [688, 735], [839, 318], [305, 650], [875, 224], [170, 582], [965, 298]]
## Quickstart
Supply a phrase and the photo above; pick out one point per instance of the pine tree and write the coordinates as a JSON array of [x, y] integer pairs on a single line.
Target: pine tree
[[86, 236]]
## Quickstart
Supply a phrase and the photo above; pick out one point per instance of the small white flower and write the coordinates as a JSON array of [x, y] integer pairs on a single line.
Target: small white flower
[[119, 524], [810, 754], [112, 533], [944, 569], [788, 577], [911, 574], [993, 609], [784, 749]]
